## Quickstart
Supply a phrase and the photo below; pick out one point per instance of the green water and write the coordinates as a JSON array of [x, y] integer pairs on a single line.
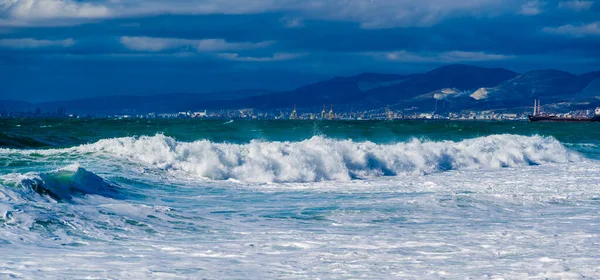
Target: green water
[[46, 133], [469, 193]]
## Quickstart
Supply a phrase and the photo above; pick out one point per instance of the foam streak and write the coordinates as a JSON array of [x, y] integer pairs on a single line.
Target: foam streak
[[319, 158]]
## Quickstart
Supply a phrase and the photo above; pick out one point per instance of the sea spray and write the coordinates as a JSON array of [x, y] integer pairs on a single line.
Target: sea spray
[[320, 158], [399, 200]]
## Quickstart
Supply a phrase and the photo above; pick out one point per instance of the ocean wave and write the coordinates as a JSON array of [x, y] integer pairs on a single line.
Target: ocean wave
[[320, 158], [63, 184], [70, 206], [20, 142], [317, 158]]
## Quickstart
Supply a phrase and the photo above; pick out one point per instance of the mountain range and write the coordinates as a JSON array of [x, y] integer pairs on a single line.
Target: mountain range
[[448, 88]]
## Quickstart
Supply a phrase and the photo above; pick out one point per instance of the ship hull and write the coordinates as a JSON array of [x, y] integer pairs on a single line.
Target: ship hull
[[562, 119]]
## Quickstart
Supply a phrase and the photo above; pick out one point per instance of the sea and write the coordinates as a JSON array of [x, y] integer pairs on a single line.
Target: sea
[[282, 199]]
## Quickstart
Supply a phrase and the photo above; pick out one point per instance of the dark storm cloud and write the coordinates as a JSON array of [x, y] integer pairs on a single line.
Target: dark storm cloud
[[55, 49]]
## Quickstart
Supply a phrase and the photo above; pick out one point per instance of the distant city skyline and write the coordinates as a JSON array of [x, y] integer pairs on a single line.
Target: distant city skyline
[[58, 50]]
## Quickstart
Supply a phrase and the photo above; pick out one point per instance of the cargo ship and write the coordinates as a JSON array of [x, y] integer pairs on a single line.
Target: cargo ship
[[539, 117]]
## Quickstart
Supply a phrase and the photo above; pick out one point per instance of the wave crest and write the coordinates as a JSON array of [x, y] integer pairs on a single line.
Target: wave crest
[[320, 158], [67, 182]]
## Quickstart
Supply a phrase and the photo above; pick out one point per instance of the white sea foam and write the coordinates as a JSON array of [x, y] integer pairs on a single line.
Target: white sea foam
[[140, 210], [319, 158], [532, 221]]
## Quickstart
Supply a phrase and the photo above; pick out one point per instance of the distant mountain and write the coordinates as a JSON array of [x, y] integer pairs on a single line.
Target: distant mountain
[[457, 77], [448, 88], [591, 76], [372, 89], [339, 90], [592, 89], [15, 106], [127, 104], [550, 86], [543, 84]]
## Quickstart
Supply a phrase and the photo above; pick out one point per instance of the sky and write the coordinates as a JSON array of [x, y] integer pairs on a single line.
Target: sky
[[68, 49]]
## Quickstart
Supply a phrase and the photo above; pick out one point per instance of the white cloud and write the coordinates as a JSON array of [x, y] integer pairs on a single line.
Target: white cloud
[[591, 29], [373, 14], [369, 13], [531, 8], [36, 10], [56, 12], [446, 57], [576, 5], [31, 43], [456, 56], [402, 56], [222, 45], [274, 57], [292, 22], [152, 44], [480, 94], [130, 25]]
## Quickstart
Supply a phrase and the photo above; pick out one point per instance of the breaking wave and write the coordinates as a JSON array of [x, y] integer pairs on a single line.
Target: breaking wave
[[320, 158], [68, 206], [63, 184]]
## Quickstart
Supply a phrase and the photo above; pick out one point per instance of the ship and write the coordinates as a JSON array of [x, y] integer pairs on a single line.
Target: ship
[[539, 117]]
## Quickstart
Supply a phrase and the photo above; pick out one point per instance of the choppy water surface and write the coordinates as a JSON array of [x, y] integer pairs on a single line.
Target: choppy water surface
[[283, 199]]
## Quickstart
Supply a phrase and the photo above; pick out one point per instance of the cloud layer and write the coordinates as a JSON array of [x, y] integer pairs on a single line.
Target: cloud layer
[[368, 13], [445, 57], [591, 29], [66, 48], [151, 44], [576, 5], [274, 57], [32, 43]]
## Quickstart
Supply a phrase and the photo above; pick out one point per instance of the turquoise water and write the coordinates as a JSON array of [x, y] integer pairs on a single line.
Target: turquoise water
[[47, 133], [298, 199]]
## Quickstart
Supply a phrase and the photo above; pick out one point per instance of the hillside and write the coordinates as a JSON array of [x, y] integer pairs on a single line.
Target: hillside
[[448, 88], [339, 90], [458, 77]]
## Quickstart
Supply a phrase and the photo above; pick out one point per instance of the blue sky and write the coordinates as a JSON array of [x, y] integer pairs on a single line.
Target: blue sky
[[65, 49]]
